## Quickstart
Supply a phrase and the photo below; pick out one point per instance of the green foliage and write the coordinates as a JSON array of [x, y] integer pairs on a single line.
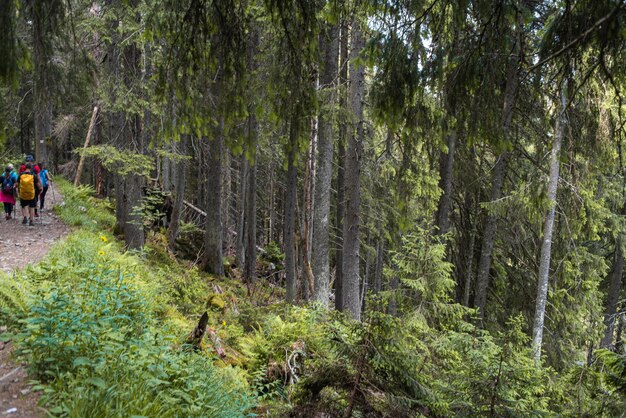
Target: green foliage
[[14, 293], [71, 321], [101, 329], [584, 390], [479, 375], [124, 163], [81, 209], [145, 377], [90, 333], [420, 266], [273, 254], [615, 372], [149, 211], [401, 367]]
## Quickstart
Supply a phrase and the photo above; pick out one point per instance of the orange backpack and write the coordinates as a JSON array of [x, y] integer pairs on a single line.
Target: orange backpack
[[27, 186]]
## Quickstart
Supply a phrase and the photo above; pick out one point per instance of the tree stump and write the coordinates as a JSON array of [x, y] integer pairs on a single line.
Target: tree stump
[[195, 337]]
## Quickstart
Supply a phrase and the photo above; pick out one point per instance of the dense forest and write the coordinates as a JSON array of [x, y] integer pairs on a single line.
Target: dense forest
[[387, 208]]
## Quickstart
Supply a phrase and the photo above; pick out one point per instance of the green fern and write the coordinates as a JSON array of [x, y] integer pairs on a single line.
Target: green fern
[[15, 291]]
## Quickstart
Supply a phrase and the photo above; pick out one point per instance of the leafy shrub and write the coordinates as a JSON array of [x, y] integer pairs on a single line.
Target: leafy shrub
[[145, 377], [93, 340], [71, 322]]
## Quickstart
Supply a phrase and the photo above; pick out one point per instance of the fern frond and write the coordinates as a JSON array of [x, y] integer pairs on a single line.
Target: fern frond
[[14, 293]]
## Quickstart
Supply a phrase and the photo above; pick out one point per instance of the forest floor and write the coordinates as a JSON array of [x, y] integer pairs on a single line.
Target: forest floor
[[21, 245]]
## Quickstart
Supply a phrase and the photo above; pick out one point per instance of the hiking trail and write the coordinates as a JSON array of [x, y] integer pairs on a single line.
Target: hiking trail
[[21, 245]]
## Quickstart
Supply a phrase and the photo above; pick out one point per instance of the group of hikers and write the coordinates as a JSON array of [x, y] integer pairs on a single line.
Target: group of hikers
[[29, 185]]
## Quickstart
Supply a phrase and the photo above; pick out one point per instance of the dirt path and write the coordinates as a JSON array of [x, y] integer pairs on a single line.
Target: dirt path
[[17, 400], [21, 245]]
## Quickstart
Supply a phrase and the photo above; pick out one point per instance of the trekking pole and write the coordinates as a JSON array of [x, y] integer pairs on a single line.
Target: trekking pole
[[54, 198], [40, 213]]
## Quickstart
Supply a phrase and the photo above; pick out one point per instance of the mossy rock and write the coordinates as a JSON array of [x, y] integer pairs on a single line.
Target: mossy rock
[[217, 302]]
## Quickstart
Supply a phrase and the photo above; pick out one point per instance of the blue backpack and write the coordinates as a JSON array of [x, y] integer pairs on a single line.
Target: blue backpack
[[7, 184], [44, 178]]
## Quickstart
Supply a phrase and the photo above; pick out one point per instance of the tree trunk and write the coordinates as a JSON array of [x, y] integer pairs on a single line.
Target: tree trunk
[[81, 160], [378, 271], [249, 272], [179, 177], [307, 215], [394, 284], [241, 215], [227, 197], [133, 227], [470, 229], [351, 245], [212, 258], [41, 84], [290, 210], [341, 161], [445, 184], [469, 271], [120, 202], [99, 172], [489, 232], [612, 300], [249, 268], [321, 214], [546, 244], [128, 127]]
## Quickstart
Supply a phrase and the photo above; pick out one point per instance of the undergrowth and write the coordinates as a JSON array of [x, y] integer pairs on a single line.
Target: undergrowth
[[103, 332], [101, 329]]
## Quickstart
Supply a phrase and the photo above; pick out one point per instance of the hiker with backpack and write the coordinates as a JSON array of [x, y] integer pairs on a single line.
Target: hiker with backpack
[[46, 178], [8, 192], [28, 182], [30, 159]]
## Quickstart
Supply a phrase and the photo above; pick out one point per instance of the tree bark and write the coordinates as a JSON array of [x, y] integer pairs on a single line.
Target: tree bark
[[249, 268], [306, 223], [41, 83], [546, 244], [226, 201], [249, 272], [378, 271], [445, 184], [489, 232], [133, 227], [469, 271], [290, 210], [241, 215], [212, 259], [81, 161], [323, 178], [612, 300], [128, 127], [351, 244], [180, 177], [341, 161]]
